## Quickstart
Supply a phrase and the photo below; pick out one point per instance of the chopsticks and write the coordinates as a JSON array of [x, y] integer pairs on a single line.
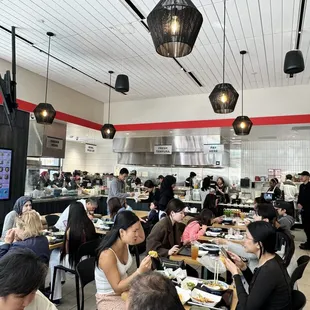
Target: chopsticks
[[216, 271]]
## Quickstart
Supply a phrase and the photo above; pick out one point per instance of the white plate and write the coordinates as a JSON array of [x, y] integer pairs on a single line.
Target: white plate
[[212, 234], [223, 284], [234, 237], [212, 299], [211, 247], [184, 295]]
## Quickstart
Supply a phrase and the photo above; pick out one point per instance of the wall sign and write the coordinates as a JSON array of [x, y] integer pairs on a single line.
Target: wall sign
[[90, 148], [163, 149], [213, 148], [54, 143]]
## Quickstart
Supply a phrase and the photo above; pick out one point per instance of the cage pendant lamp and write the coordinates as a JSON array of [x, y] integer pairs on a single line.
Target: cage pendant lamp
[[224, 97], [108, 131], [174, 26], [44, 112], [242, 124]]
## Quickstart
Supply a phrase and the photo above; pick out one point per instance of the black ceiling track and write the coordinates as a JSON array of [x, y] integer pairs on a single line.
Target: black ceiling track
[[135, 9], [58, 59], [302, 11], [192, 75]]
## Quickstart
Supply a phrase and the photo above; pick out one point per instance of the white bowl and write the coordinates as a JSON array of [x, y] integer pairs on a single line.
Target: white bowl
[[211, 300], [193, 281]]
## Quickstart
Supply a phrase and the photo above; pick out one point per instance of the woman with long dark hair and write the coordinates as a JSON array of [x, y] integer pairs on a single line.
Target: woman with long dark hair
[[221, 190], [80, 229], [197, 226], [269, 286], [210, 203], [114, 205], [166, 191], [114, 260]]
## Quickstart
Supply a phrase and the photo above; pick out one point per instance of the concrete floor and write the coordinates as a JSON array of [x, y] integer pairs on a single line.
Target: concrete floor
[[68, 301]]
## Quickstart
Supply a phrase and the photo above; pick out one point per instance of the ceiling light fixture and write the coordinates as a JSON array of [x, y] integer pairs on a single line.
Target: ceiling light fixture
[[44, 112], [242, 124], [108, 131], [174, 26], [122, 83], [224, 97]]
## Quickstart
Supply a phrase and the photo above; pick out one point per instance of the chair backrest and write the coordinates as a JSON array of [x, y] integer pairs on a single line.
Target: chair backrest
[[88, 249], [51, 219], [303, 259], [86, 272], [298, 299], [299, 270]]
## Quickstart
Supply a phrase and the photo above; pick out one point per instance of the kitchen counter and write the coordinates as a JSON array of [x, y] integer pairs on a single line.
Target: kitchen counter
[[62, 198]]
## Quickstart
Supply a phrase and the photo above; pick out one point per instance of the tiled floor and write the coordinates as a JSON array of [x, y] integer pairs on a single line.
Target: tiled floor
[[69, 296]]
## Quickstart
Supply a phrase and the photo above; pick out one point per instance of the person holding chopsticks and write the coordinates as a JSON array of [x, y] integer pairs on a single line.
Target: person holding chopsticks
[[269, 285]]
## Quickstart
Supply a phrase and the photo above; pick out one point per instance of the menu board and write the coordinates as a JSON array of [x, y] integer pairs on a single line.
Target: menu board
[[5, 173]]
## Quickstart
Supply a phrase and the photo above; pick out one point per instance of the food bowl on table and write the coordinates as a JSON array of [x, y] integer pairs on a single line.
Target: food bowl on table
[[215, 287], [189, 283], [204, 298], [227, 220], [184, 295], [215, 229], [211, 248]]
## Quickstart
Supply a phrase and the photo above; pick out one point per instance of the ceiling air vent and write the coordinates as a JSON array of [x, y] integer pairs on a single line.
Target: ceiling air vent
[[297, 128], [267, 138]]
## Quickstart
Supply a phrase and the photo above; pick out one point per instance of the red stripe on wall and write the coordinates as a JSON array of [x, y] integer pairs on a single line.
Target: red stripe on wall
[[267, 120]]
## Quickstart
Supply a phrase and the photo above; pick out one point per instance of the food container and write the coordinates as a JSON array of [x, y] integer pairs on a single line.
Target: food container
[[218, 288], [204, 298]]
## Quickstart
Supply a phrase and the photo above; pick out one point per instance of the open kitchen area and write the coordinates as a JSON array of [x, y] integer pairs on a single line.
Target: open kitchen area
[[154, 154]]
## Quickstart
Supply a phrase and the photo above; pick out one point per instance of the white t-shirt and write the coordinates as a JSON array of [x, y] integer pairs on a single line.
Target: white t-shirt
[[63, 219], [40, 302]]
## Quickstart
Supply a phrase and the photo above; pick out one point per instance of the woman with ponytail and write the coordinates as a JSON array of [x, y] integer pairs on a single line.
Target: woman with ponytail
[[114, 260], [269, 285]]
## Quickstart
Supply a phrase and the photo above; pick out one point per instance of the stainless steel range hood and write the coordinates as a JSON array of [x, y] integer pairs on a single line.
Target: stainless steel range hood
[[186, 151], [47, 141]]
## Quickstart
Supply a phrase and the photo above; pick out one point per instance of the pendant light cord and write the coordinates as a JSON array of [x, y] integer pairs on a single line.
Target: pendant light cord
[[224, 41], [242, 84], [47, 68], [109, 99]]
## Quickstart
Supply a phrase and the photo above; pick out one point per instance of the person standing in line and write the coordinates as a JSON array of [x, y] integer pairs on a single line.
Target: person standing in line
[[117, 187], [189, 181], [303, 203], [290, 191]]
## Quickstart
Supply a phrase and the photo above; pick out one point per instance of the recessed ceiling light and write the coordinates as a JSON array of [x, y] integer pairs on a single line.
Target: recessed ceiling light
[[170, 131], [127, 133]]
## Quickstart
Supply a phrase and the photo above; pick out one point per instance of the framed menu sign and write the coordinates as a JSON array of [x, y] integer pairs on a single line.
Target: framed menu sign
[[5, 173]]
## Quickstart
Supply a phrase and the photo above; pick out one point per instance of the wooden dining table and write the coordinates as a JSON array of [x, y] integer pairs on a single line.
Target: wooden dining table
[[225, 226]]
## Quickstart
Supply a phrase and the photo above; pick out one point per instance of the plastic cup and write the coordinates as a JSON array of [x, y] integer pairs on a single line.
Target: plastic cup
[[194, 250]]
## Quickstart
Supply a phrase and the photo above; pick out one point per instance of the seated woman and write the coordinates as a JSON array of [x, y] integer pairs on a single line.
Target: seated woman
[[114, 260], [80, 229], [114, 206], [165, 236], [27, 234], [21, 205], [269, 286], [197, 226], [266, 213]]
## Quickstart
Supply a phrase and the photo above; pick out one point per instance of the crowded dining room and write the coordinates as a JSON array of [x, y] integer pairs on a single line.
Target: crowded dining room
[[154, 155]]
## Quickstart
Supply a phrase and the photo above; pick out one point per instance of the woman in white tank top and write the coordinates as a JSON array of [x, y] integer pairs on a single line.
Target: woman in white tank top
[[114, 261]]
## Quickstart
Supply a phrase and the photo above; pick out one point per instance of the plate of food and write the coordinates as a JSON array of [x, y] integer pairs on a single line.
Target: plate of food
[[215, 287], [143, 197], [211, 248], [204, 298], [215, 229], [189, 283]]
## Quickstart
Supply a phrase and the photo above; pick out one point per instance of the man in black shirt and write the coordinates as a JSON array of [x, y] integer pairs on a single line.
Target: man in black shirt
[[303, 203]]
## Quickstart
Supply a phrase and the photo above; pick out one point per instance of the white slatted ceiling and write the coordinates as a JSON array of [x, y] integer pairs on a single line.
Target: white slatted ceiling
[[100, 35]]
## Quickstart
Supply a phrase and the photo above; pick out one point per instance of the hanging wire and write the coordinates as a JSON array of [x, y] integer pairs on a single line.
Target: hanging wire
[[48, 65], [224, 41], [110, 97], [242, 83]]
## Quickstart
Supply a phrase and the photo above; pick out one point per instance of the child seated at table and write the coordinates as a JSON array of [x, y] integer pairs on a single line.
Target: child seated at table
[[197, 226]]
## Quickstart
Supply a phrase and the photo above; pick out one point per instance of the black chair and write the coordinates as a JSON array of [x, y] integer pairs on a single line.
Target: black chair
[[86, 273], [302, 263], [298, 300], [51, 220], [86, 249]]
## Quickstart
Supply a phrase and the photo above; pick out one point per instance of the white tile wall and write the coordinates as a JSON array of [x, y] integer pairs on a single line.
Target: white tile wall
[[103, 161], [291, 156], [75, 157]]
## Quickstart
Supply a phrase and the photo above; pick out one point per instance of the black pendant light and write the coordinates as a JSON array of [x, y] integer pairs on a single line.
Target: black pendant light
[[294, 62], [224, 97], [108, 131], [242, 124], [122, 83], [174, 26], [44, 112]]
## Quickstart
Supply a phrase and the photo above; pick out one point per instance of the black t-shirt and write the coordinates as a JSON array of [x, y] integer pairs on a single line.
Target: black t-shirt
[[97, 182], [304, 196]]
